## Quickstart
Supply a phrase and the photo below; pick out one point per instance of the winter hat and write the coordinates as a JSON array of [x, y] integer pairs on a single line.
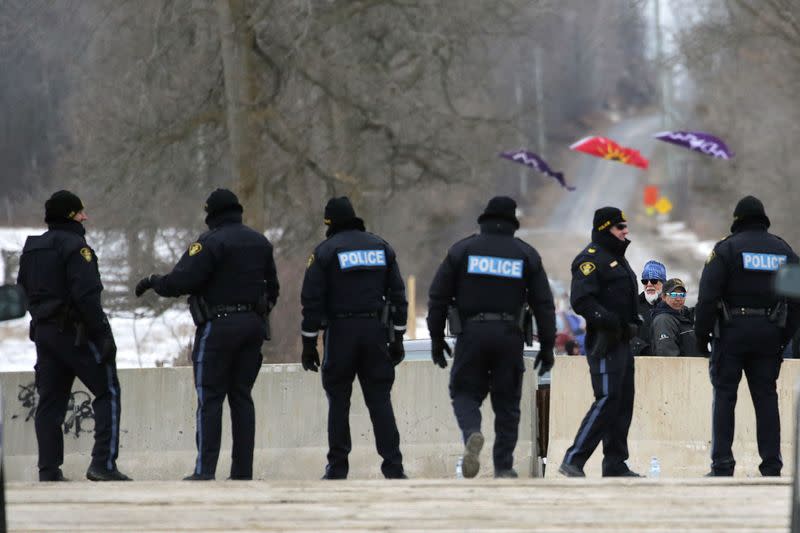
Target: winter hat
[[501, 207], [63, 205], [605, 217], [339, 210], [654, 270], [749, 209], [222, 200]]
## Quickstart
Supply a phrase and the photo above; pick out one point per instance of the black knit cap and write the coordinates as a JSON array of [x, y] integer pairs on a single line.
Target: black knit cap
[[63, 205], [220, 201], [605, 217], [749, 209], [339, 210], [500, 207]]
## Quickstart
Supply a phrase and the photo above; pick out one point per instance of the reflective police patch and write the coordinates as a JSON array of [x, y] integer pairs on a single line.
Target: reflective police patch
[[86, 253], [362, 258], [310, 261], [195, 248], [711, 256], [761, 261], [587, 268], [501, 267]]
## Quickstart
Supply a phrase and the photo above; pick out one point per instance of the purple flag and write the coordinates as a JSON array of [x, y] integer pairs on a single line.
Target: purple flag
[[699, 141], [534, 161]]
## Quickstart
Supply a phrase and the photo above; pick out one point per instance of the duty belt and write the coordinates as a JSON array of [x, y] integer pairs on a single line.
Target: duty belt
[[493, 317], [749, 311], [217, 310], [366, 314]]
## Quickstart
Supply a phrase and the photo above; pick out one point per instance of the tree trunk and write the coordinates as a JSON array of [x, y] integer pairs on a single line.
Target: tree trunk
[[241, 92]]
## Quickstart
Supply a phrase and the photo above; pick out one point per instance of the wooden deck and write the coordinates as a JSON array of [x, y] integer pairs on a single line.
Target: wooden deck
[[561, 505]]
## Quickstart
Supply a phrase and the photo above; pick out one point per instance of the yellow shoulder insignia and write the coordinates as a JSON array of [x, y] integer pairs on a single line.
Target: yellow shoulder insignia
[[195, 248], [613, 263], [86, 253], [591, 250], [310, 261], [587, 268], [711, 256]]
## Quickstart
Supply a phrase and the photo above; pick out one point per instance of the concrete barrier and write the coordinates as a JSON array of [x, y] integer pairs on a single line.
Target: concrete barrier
[[671, 417], [158, 423]]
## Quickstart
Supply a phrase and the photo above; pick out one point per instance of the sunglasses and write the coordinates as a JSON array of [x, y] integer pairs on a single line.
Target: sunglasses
[[620, 226], [651, 281], [676, 294]]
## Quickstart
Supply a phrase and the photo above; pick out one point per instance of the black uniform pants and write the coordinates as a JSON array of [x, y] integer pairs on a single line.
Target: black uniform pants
[[58, 362], [488, 360], [609, 417], [750, 345], [357, 347], [227, 359]]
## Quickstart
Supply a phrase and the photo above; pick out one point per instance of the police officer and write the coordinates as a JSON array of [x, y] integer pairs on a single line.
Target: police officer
[[487, 278], [352, 281], [231, 277], [754, 324], [604, 292], [59, 273]]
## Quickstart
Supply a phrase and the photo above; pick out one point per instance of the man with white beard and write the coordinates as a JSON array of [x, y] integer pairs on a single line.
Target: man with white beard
[[653, 277]]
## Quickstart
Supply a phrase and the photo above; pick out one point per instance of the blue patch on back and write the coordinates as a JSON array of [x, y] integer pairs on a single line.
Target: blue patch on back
[[362, 258], [494, 266], [762, 262]]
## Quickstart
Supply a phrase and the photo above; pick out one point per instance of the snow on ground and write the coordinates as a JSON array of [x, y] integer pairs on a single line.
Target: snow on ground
[[141, 342]]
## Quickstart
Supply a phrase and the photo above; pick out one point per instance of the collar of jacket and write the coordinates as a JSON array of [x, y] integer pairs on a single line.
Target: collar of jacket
[[610, 243], [662, 308], [497, 227], [73, 226], [225, 217], [749, 224], [345, 225]]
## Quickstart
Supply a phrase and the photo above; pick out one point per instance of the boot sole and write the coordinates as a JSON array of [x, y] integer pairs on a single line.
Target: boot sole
[[470, 464]]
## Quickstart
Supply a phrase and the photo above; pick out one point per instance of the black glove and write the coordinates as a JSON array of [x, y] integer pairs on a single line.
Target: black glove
[[144, 285], [310, 357], [544, 360], [438, 347], [702, 342], [396, 351], [106, 348]]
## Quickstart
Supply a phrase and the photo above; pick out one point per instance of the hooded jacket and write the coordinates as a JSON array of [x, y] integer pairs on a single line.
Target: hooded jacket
[[673, 331]]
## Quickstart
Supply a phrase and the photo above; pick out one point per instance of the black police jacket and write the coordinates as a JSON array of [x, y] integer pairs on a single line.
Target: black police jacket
[[492, 272], [604, 287], [229, 264], [59, 273], [740, 271], [352, 272]]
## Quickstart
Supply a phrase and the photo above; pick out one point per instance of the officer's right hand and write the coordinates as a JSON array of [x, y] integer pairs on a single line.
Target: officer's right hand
[[144, 285], [438, 347], [310, 357], [702, 345], [545, 361]]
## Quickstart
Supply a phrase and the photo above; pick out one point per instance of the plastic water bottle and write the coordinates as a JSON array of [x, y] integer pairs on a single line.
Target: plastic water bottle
[[655, 467], [459, 471]]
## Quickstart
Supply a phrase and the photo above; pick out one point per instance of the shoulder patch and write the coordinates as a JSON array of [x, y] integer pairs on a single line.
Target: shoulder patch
[[195, 248], [613, 263], [310, 261], [591, 250], [587, 268], [711, 256], [86, 253]]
